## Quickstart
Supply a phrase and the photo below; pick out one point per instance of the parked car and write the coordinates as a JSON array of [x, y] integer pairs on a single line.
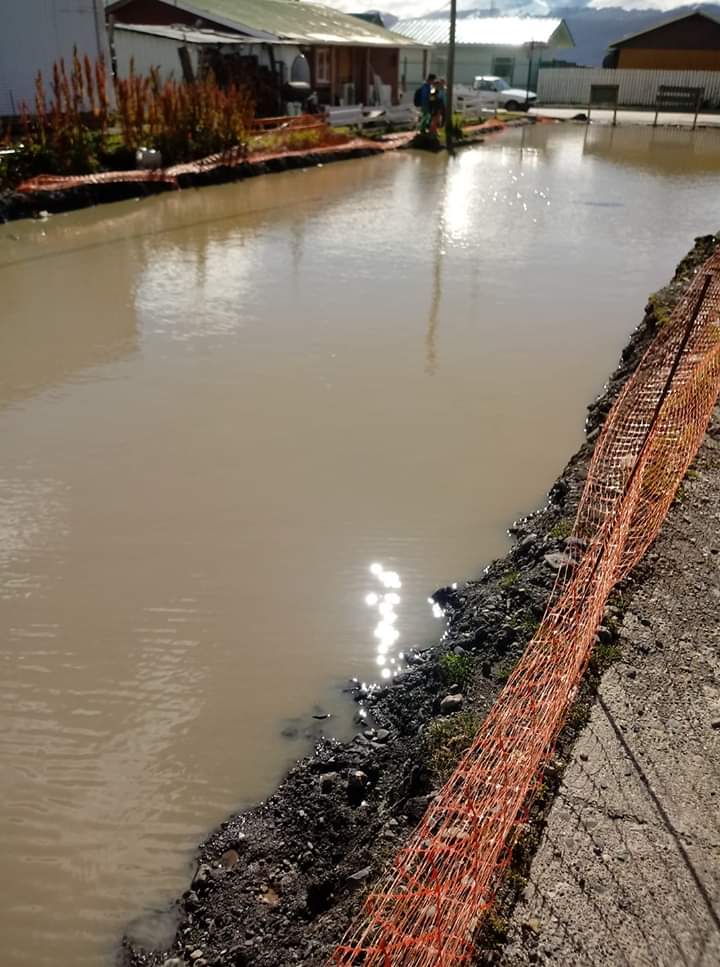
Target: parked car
[[491, 92]]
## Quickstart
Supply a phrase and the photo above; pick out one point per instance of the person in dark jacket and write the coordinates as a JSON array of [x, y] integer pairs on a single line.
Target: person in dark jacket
[[422, 100]]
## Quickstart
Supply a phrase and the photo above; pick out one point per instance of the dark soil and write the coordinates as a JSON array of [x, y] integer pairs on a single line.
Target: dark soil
[[279, 883]]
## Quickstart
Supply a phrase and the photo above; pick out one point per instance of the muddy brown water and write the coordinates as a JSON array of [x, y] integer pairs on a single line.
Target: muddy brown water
[[218, 410]]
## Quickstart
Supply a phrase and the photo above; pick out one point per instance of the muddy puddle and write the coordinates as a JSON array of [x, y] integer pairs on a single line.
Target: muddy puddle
[[245, 432]]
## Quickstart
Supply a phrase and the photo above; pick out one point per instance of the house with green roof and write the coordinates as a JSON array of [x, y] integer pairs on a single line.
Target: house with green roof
[[345, 59]]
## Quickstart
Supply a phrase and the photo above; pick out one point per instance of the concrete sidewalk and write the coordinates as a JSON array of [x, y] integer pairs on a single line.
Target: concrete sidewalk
[[600, 116]]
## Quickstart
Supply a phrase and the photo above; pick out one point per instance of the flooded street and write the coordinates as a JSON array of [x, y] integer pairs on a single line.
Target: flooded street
[[218, 410]]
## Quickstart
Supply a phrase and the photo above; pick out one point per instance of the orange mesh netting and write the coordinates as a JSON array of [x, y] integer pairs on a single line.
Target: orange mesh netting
[[427, 907], [329, 141]]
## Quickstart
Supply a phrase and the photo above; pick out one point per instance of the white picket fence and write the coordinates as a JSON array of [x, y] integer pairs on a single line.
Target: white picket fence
[[638, 88]]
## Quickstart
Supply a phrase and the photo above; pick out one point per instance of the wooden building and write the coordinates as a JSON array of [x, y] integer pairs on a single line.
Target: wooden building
[[689, 42], [351, 61]]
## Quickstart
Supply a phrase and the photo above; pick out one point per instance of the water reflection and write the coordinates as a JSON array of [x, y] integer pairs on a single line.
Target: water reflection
[[385, 602], [181, 525], [670, 151], [50, 342], [447, 206]]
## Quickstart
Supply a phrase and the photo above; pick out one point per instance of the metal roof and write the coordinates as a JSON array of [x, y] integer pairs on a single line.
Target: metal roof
[[185, 35], [665, 23], [294, 20], [489, 31]]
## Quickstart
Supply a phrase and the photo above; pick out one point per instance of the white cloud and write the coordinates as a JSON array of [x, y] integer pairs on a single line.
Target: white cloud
[[400, 8], [411, 8]]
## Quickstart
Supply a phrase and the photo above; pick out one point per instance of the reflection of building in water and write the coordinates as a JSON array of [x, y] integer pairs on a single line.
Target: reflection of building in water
[[436, 298], [64, 311], [671, 151]]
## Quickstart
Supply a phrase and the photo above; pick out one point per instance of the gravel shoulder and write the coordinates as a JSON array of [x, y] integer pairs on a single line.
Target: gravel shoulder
[[279, 884]]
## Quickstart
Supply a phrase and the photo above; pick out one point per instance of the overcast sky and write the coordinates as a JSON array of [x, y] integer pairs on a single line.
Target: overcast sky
[[418, 8]]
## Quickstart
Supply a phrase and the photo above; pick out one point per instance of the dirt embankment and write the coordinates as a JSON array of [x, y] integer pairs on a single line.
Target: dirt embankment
[[279, 884], [15, 205]]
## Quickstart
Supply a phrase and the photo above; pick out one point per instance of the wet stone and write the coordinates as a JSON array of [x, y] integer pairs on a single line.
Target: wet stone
[[357, 783], [557, 561], [202, 876], [451, 703], [328, 782], [229, 858], [360, 875], [416, 806]]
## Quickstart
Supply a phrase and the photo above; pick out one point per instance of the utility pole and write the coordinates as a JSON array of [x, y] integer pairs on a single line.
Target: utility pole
[[450, 79], [529, 76]]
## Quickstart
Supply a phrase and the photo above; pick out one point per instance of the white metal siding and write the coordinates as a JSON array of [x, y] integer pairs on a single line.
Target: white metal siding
[[471, 61], [148, 51], [411, 69], [638, 88], [36, 33]]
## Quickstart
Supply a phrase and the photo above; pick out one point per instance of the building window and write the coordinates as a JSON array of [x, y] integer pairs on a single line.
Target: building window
[[322, 65], [504, 67]]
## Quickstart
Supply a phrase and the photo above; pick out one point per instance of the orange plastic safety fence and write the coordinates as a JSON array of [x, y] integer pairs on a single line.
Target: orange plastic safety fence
[[332, 142], [426, 909]]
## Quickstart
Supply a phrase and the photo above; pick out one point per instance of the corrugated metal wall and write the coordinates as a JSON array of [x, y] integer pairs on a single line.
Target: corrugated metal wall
[[147, 52], [638, 88], [471, 62], [36, 33]]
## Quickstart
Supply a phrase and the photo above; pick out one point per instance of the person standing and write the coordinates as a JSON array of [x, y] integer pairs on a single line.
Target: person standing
[[438, 106], [422, 100]]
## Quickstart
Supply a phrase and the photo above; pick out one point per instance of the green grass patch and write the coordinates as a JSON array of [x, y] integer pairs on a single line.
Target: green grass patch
[[562, 530], [447, 738], [578, 715], [509, 579], [494, 932], [504, 669], [528, 626], [660, 310], [457, 669], [604, 655]]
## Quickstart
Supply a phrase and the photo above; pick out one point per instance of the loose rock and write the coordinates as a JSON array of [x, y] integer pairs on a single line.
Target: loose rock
[[558, 560], [361, 875], [229, 858], [451, 703]]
